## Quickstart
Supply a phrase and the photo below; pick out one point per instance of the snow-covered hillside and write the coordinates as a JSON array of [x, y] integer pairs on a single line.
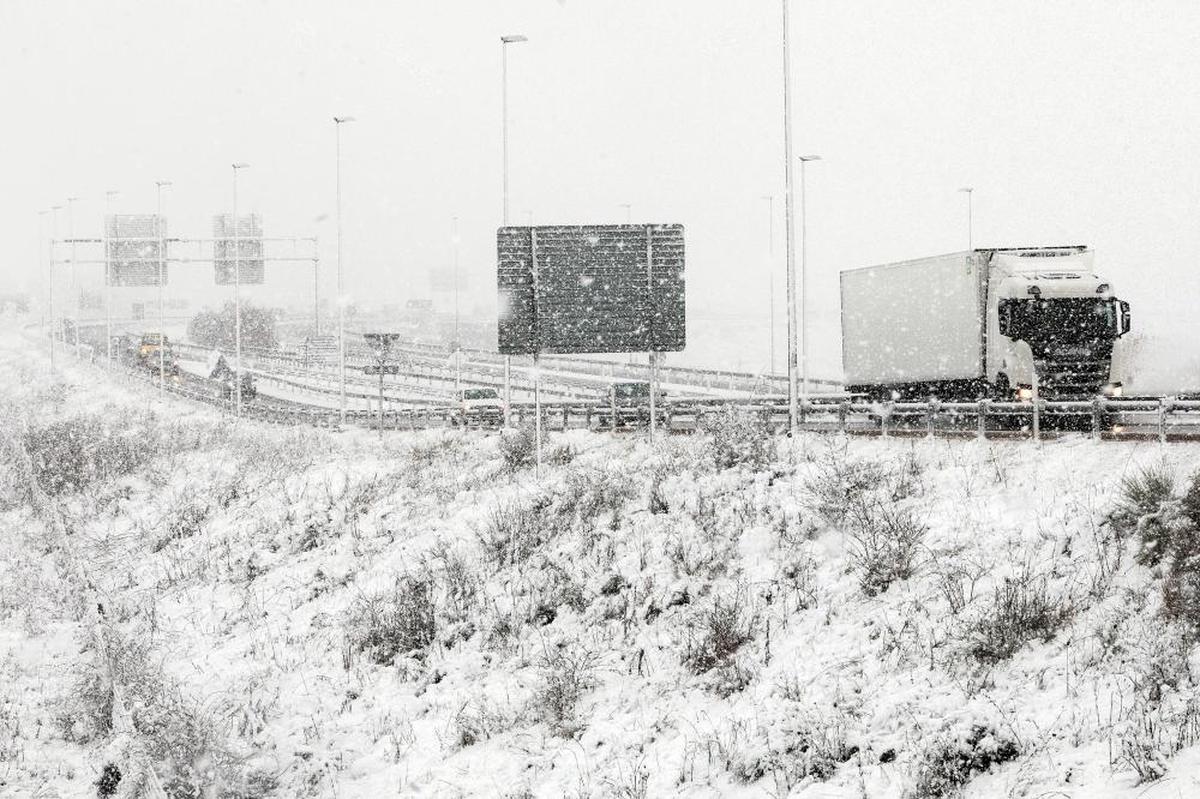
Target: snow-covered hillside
[[300, 613]]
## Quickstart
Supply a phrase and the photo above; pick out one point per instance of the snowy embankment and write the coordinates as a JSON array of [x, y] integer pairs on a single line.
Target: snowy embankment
[[302, 613]]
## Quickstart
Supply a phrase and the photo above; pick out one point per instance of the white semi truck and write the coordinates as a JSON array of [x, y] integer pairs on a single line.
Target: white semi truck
[[976, 324]]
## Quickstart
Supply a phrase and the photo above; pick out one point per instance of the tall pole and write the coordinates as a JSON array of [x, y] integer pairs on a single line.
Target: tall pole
[[804, 159], [969, 191], [50, 289], [74, 276], [316, 287], [162, 258], [341, 299], [237, 298], [505, 41], [770, 198], [53, 321], [457, 339], [108, 195], [793, 410]]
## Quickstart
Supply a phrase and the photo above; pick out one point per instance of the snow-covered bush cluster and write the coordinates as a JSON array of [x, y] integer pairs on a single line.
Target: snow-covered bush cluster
[[302, 613]]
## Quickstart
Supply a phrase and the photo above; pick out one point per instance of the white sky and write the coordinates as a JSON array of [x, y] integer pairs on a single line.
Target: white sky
[[1075, 122]]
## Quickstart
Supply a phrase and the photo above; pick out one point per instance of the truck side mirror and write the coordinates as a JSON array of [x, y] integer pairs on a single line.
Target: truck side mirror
[[1125, 318]]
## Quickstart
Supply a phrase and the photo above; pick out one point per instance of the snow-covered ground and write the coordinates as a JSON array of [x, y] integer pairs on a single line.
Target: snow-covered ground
[[304, 613]]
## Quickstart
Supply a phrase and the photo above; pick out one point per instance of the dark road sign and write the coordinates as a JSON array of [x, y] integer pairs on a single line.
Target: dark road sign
[[591, 289]]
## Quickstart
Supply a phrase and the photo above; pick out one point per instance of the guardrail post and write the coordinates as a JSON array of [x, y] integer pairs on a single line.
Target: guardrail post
[[1097, 416], [566, 416], [843, 413], [930, 416], [885, 418], [612, 401], [1164, 407], [981, 431]]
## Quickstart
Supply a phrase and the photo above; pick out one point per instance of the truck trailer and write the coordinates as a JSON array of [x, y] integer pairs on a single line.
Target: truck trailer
[[977, 324]]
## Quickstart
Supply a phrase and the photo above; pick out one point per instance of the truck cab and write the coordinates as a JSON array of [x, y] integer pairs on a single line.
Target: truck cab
[[1052, 315]]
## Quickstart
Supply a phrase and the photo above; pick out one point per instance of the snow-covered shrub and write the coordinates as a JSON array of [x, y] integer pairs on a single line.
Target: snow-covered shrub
[[72, 454], [399, 620], [886, 541], [566, 676], [588, 494], [518, 447], [1147, 507], [189, 748], [1153, 731], [184, 517], [459, 582], [737, 436], [515, 530], [723, 628], [479, 719], [841, 485], [950, 762], [1022, 610], [799, 744]]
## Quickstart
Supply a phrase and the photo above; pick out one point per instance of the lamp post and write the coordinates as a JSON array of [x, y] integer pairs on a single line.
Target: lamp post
[[74, 277], [770, 198], [969, 191], [804, 159], [54, 209], [108, 196], [505, 41], [341, 300], [162, 258], [237, 298], [793, 409]]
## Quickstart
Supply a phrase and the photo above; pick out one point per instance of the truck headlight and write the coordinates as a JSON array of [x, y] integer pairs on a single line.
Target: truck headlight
[[1113, 390], [1024, 393]]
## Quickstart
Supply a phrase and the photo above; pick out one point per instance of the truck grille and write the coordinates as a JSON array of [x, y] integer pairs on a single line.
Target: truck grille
[[1074, 379]]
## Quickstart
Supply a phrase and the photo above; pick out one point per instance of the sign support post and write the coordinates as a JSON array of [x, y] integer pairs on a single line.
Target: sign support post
[[537, 365]]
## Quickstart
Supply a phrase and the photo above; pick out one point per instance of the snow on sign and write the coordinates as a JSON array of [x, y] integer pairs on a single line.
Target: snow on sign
[[132, 242], [247, 267], [590, 288]]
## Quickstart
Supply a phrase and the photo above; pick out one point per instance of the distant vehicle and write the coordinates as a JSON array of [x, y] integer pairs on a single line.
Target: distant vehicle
[[226, 377], [629, 403], [148, 350], [481, 404], [974, 325]]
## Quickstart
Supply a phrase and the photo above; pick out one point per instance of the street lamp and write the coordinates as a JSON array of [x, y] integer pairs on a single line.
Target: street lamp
[[770, 198], [341, 300], [967, 190], [237, 299], [74, 278], [804, 159], [41, 231], [504, 42], [793, 409], [162, 257], [108, 196]]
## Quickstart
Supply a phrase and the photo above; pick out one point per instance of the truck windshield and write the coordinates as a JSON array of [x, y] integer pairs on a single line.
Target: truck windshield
[[1066, 320], [480, 394], [630, 390]]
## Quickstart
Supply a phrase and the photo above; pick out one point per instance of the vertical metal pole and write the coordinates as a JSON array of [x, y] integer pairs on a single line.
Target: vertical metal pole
[[803, 288], [237, 303], [107, 281], [340, 297], [162, 335], [793, 411], [650, 328], [504, 216], [537, 366], [74, 274], [457, 339], [53, 321]]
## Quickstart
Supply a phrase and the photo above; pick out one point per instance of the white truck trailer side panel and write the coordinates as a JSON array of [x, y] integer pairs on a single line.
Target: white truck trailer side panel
[[913, 321]]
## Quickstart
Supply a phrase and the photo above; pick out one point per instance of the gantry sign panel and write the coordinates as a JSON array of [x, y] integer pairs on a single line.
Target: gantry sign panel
[[132, 249], [249, 261], [591, 289]]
